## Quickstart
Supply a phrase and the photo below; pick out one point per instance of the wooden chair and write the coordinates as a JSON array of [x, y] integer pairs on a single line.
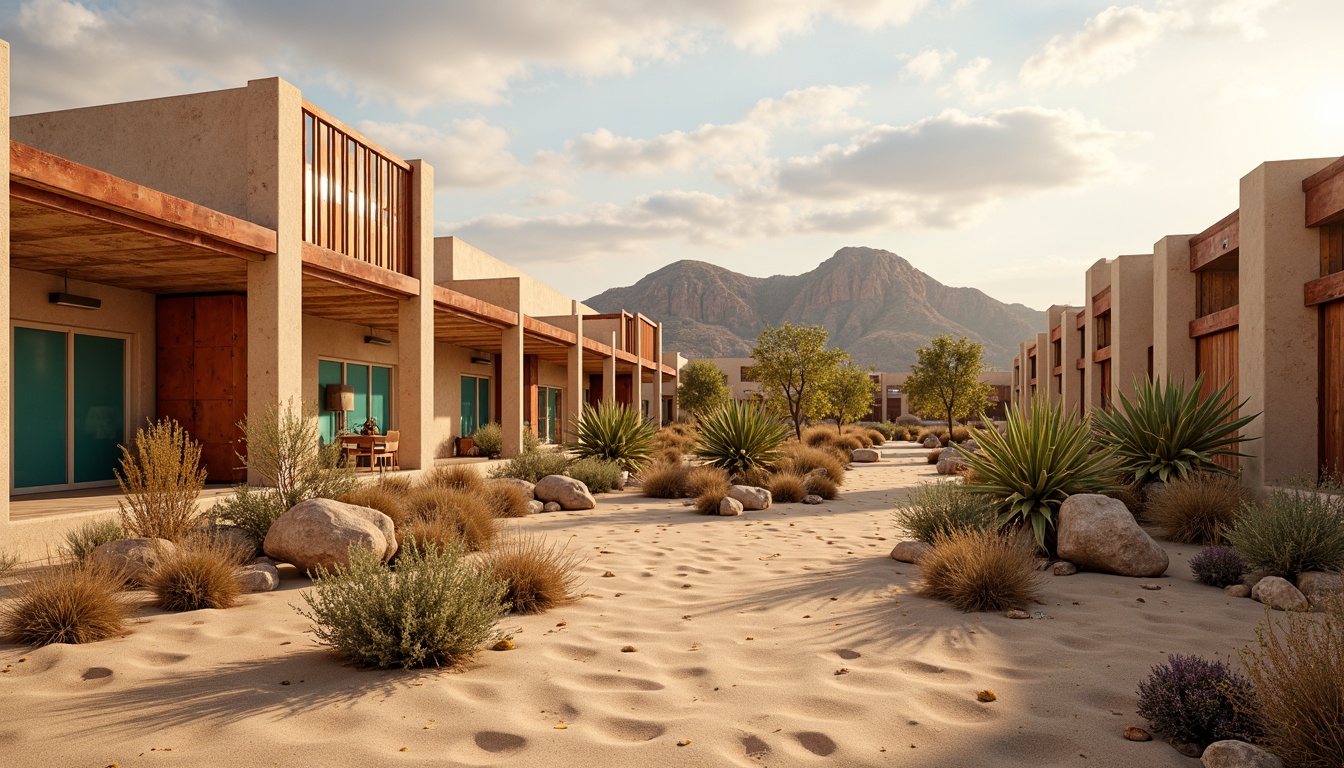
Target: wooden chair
[[358, 447], [385, 452]]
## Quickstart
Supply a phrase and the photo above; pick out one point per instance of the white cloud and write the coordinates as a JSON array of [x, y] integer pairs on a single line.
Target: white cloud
[[56, 23], [928, 64], [467, 154], [1109, 43], [966, 84]]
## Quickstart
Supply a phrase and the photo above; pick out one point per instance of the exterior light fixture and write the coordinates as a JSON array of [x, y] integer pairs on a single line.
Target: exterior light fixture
[[480, 360], [64, 298], [376, 340]]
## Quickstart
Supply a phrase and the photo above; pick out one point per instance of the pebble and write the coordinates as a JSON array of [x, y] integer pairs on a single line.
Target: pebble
[[1137, 734], [986, 696], [1150, 587], [1018, 615], [1237, 590], [629, 649], [1065, 568]]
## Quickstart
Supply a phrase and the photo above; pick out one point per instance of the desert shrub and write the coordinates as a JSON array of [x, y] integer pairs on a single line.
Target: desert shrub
[[1196, 509], [530, 441], [201, 572], [284, 449], [908, 420], [505, 499], [669, 454], [533, 466], [380, 497], [681, 437], [1218, 566], [458, 476], [804, 461], [739, 437], [1170, 430], [252, 509], [1196, 701], [939, 432], [712, 490], [614, 432], [969, 476], [1036, 464], [960, 434], [849, 443], [705, 478], [1291, 532], [68, 603], [539, 576], [756, 477], [819, 435], [885, 428], [981, 570], [1129, 497], [787, 487], [821, 485], [81, 540], [398, 484], [877, 436], [488, 440], [599, 475], [8, 561], [664, 480], [162, 477], [934, 455], [443, 517], [1297, 669], [937, 509], [436, 609]]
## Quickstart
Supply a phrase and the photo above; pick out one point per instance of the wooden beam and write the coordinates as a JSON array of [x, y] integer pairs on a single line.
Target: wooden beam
[[1324, 289], [1325, 195], [356, 273], [1102, 354], [1222, 238], [1102, 301], [1081, 322], [1056, 332], [35, 171], [544, 330], [455, 302], [1058, 370], [1080, 363], [322, 114], [1216, 322]]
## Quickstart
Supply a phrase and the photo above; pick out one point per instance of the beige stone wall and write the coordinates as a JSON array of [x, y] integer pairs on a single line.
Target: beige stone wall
[[1071, 348], [457, 260], [1174, 308], [1131, 321], [451, 363], [1098, 277], [331, 340], [6, 286]]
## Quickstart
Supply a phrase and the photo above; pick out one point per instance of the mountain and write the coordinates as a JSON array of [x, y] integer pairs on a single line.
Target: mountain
[[874, 303]]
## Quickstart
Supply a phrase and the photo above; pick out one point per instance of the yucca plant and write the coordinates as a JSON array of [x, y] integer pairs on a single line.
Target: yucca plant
[[1037, 463], [1168, 431], [740, 437], [614, 432]]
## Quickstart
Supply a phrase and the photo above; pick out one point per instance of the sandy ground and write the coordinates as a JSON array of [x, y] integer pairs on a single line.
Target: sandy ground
[[779, 638]]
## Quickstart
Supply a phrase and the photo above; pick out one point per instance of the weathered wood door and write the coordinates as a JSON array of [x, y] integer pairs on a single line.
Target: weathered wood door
[[1332, 388], [1216, 359]]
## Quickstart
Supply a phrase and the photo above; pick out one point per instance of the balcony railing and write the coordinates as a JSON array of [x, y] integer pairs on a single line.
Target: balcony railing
[[356, 196]]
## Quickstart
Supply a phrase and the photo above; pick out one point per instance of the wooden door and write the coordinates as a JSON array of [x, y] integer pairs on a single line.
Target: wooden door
[[1332, 388], [1218, 361]]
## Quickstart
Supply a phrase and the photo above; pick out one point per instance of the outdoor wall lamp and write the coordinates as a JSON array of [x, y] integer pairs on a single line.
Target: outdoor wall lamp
[[376, 340], [64, 298]]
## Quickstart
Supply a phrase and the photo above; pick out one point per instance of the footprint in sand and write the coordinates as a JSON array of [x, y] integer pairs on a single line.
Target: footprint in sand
[[497, 742], [96, 673], [817, 743], [755, 747], [847, 654]]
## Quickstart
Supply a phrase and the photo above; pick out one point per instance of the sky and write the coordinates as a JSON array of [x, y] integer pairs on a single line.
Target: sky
[[999, 144]]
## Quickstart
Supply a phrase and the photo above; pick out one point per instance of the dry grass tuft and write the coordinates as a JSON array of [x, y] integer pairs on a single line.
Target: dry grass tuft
[[671, 455], [540, 575], [706, 478], [849, 443], [505, 499], [981, 570], [88, 536], [70, 603], [202, 572], [819, 436], [664, 480], [161, 476], [787, 488], [453, 476], [681, 437], [757, 477], [821, 485], [802, 461], [383, 498], [934, 455], [1197, 510], [441, 517]]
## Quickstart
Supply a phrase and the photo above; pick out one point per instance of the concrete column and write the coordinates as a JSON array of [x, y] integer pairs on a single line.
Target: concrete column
[[574, 375], [1098, 277], [1174, 287], [1070, 350], [275, 286], [1043, 367], [1278, 334], [1131, 322], [511, 390], [609, 373], [637, 376], [415, 332], [6, 352]]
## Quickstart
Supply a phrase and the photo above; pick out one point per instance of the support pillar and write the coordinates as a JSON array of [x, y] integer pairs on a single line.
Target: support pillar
[[6, 351], [415, 332], [511, 390], [609, 374], [574, 376], [1174, 287]]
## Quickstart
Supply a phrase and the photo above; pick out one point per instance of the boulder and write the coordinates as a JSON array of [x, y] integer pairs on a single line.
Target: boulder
[[1316, 586], [535, 507], [970, 444], [565, 491], [320, 532], [750, 497], [865, 455], [1237, 590], [1253, 578], [1238, 754], [730, 507], [1064, 568], [235, 537], [932, 442], [621, 480], [951, 460], [1279, 594], [910, 551], [1098, 533], [135, 558], [529, 490], [552, 506], [259, 577], [812, 498]]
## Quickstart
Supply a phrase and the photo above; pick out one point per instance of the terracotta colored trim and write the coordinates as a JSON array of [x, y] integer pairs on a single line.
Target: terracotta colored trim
[[547, 332], [1080, 363], [1081, 322], [592, 345], [322, 259], [626, 357], [1102, 301], [669, 371], [33, 171], [1058, 370], [1215, 242], [1056, 332], [322, 114], [456, 303], [1215, 322], [1325, 195], [1101, 354], [1032, 381], [609, 316], [1324, 289], [1031, 351]]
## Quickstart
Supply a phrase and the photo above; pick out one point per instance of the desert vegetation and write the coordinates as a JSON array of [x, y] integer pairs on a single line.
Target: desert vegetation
[[981, 570], [67, 603], [161, 477]]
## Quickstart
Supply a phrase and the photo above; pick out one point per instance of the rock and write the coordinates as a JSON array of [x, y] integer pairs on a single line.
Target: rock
[[1187, 749], [319, 533], [1064, 568], [730, 507], [529, 490], [812, 498], [750, 497], [1279, 594], [1253, 578], [1134, 733], [932, 442], [632, 481], [951, 461], [259, 577], [535, 507], [566, 491], [1316, 586], [865, 455], [970, 444], [1237, 590], [235, 537], [1238, 754], [1018, 615], [910, 551], [1098, 533], [621, 480], [135, 558], [551, 506]]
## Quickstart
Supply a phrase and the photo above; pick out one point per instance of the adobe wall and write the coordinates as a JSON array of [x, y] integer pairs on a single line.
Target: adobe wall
[[1174, 307]]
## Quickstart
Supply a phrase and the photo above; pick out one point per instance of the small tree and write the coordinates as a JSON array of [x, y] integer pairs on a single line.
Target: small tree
[[946, 380], [795, 369], [161, 476], [702, 388], [850, 394]]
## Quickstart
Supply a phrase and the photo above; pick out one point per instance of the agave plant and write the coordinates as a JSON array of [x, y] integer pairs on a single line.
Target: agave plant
[[1037, 463], [614, 432], [1168, 431], [740, 437]]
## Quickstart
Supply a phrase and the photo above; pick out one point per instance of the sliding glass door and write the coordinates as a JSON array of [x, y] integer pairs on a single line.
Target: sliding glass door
[[373, 396], [475, 404]]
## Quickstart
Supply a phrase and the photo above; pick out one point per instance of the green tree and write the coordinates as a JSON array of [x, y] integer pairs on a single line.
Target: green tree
[[702, 388], [795, 369], [946, 380], [850, 394]]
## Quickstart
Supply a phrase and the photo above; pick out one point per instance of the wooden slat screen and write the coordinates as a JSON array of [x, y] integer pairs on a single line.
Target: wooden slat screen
[[629, 336], [1104, 381], [1215, 290], [1332, 388], [646, 337], [1216, 357], [1332, 249], [355, 198]]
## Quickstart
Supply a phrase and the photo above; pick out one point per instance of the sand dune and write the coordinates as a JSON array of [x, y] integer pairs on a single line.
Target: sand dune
[[779, 638]]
